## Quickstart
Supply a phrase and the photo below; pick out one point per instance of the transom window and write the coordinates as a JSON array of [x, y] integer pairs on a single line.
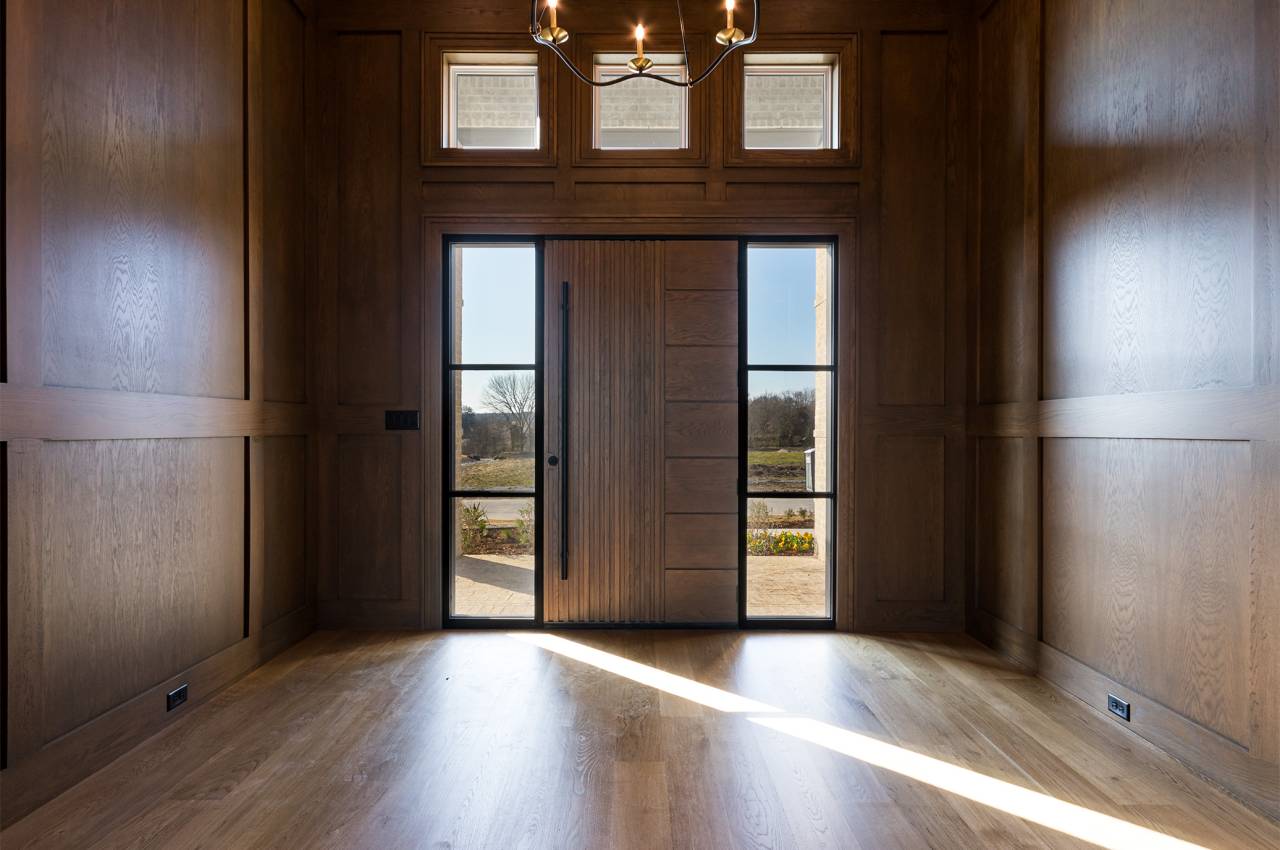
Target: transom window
[[641, 114], [491, 101], [790, 101]]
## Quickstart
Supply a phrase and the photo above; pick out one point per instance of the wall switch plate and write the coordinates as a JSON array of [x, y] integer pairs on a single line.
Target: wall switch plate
[[175, 698], [403, 420], [1118, 707]]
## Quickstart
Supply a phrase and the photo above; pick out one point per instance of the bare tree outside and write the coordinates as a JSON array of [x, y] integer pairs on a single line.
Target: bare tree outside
[[514, 395]]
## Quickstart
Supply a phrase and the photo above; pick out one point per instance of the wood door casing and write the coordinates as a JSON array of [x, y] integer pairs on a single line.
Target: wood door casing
[[615, 433]]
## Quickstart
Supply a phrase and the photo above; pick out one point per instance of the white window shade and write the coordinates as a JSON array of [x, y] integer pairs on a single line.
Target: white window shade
[[790, 106], [491, 106]]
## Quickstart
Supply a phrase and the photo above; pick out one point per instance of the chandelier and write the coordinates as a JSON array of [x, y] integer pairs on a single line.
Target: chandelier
[[550, 34]]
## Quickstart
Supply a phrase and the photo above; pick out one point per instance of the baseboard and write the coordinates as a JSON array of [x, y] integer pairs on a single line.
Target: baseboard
[[1013, 643], [65, 761], [1254, 781]]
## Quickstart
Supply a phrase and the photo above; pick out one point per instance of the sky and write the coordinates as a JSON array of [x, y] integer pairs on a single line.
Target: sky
[[498, 315]]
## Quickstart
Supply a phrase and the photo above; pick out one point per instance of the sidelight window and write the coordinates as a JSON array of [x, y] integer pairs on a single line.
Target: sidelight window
[[493, 392], [788, 513]]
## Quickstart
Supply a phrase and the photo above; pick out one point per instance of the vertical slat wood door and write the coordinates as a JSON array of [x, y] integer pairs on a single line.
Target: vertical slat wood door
[[649, 445], [613, 458]]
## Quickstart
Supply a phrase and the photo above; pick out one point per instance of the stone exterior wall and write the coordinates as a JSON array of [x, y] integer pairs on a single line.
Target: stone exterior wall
[[789, 101], [641, 105], [493, 100]]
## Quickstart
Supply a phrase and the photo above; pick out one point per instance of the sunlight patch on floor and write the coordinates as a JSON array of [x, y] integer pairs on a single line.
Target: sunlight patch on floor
[[1068, 818]]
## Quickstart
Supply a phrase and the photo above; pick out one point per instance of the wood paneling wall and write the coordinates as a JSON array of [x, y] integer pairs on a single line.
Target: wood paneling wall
[[894, 196], [1126, 431], [153, 418]]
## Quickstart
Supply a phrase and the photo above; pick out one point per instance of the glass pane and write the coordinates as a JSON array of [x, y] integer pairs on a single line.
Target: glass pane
[[789, 558], [786, 109], [494, 427], [788, 431], [495, 108], [493, 558], [789, 317], [494, 297], [640, 114]]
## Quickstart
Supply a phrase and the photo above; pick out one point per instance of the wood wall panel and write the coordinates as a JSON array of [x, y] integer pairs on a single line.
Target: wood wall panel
[[143, 573], [369, 515], [1151, 151], [701, 485], [1004, 578], [615, 433], [1147, 569], [141, 234], [913, 226], [1147, 478], [367, 106], [144, 170], [701, 264], [1008, 367], [284, 200], [286, 577], [910, 521]]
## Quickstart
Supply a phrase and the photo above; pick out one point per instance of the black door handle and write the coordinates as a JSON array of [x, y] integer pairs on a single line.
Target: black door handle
[[564, 431]]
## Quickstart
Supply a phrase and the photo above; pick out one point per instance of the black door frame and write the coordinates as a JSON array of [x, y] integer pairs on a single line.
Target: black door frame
[[450, 493]]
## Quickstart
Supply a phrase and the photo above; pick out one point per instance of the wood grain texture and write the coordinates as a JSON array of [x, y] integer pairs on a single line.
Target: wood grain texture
[[910, 521], [368, 485], [913, 218], [142, 255], [283, 227], [615, 433], [1151, 160], [368, 144], [1147, 569], [701, 429], [701, 485], [702, 318], [696, 373], [142, 574], [1008, 361], [602, 761], [1004, 580], [701, 264], [286, 577], [701, 541], [702, 596]]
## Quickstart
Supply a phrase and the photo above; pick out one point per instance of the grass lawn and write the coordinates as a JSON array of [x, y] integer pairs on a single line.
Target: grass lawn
[[503, 474], [776, 458]]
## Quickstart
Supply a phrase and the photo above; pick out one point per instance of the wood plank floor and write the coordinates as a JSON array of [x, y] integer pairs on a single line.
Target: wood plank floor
[[487, 740]]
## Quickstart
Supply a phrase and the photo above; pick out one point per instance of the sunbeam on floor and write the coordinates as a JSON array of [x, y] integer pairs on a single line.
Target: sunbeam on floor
[[1037, 807]]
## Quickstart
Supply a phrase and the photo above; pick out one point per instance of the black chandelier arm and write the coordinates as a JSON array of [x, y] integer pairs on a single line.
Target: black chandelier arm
[[535, 29]]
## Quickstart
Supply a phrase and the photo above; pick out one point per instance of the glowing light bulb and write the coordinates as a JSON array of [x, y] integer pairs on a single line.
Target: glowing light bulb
[[640, 40]]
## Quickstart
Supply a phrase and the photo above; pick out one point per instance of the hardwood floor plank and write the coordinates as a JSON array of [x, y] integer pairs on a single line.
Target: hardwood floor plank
[[481, 739]]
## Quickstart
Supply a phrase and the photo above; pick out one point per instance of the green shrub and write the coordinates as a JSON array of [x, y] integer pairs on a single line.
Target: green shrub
[[761, 542], [473, 524], [524, 529]]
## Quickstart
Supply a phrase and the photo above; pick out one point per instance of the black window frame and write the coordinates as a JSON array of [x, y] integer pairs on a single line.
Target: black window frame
[[745, 368], [449, 491]]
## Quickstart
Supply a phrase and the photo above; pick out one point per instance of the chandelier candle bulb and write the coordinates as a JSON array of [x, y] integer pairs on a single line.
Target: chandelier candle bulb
[[731, 38], [639, 64]]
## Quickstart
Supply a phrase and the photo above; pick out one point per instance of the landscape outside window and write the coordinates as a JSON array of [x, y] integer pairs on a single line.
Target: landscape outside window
[[790, 386], [495, 402]]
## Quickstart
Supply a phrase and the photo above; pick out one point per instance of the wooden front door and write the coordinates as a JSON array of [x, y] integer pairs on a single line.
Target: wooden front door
[[641, 392]]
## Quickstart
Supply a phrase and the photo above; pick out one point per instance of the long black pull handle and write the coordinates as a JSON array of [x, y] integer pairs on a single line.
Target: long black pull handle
[[564, 430]]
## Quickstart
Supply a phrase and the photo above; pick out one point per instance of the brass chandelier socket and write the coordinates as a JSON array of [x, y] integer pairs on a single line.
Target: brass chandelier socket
[[640, 64], [730, 35], [553, 35]]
